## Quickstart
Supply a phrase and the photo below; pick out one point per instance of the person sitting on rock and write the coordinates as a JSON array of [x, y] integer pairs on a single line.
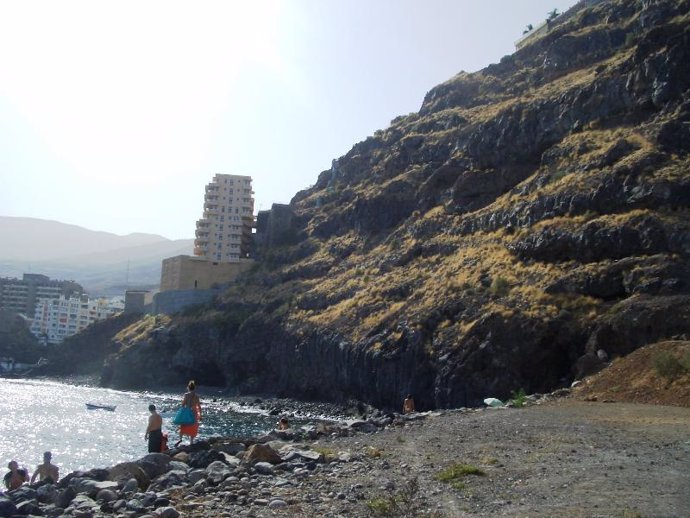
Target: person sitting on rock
[[46, 472], [283, 424], [408, 405], [15, 477]]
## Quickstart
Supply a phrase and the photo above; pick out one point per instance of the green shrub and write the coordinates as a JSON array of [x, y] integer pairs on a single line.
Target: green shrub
[[404, 504], [500, 286], [630, 39], [557, 175], [329, 454], [685, 360], [456, 471], [518, 398], [667, 365], [381, 506]]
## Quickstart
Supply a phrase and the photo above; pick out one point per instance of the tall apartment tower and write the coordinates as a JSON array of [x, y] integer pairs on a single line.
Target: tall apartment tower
[[224, 233]]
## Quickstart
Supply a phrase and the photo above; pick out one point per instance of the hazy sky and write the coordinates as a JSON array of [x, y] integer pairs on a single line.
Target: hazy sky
[[115, 114]]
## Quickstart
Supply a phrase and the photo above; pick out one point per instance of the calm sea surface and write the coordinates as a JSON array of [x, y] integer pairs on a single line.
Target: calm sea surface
[[36, 416]]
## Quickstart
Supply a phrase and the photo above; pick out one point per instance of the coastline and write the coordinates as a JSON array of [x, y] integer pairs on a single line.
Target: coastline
[[557, 457], [270, 404]]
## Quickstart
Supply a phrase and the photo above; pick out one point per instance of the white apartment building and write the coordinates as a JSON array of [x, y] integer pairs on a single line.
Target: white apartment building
[[20, 295], [223, 235], [56, 319]]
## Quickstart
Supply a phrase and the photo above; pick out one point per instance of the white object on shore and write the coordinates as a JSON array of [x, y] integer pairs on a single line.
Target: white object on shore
[[493, 402]]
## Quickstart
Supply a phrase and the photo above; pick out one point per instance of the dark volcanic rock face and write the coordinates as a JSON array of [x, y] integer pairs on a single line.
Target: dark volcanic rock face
[[530, 220]]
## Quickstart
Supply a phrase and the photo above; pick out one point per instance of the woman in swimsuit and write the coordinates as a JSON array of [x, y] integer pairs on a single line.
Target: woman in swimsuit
[[191, 400], [15, 477]]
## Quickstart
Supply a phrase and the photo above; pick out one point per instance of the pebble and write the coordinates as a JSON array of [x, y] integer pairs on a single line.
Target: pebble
[[277, 504]]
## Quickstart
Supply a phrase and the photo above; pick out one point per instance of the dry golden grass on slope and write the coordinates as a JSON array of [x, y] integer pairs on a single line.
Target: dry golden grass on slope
[[674, 172], [581, 148], [575, 223], [141, 328], [637, 378], [486, 112], [571, 81], [361, 303], [358, 288]]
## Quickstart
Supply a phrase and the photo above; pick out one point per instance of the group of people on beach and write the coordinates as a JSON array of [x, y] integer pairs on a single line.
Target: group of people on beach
[[157, 440], [46, 472], [189, 426], [188, 418]]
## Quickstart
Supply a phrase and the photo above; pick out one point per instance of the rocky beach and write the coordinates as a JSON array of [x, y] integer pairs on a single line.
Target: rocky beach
[[526, 231], [557, 456]]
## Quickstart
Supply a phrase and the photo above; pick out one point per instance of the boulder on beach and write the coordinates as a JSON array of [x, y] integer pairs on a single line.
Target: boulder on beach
[[261, 453], [155, 464], [124, 471], [7, 507], [202, 459]]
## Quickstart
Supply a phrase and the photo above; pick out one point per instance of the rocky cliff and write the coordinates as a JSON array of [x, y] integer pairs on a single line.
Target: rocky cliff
[[529, 222], [16, 341]]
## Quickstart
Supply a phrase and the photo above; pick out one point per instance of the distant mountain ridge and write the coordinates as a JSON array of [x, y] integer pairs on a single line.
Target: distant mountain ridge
[[103, 262], [33, 239]]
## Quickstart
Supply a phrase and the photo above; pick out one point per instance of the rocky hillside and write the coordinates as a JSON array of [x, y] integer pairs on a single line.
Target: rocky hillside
[[16, 341], [529, 222], [654, 374], [85, 352]]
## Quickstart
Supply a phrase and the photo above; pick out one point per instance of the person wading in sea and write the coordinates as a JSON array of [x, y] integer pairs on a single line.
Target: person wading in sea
[[154, 432], [191, 400]]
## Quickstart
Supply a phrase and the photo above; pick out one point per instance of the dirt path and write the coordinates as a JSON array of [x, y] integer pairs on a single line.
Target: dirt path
[[566, 459]]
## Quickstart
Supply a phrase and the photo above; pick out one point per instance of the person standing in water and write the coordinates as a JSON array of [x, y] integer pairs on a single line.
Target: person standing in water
[[154, 430], [191, 400]]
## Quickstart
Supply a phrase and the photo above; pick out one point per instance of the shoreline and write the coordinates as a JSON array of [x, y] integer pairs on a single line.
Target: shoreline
[[270, 404], [559, 457]]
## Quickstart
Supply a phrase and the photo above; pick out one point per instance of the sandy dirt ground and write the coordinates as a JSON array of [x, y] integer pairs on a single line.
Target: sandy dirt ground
[[566, 458]]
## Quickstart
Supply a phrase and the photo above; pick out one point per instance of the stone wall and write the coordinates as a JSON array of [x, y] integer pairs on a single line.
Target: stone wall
[[137, 301], [174, 301], [274, 227]]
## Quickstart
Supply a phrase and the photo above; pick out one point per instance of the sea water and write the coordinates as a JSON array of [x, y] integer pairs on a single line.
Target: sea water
[[37, 416]]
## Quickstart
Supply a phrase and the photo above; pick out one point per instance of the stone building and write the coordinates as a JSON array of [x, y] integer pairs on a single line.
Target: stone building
[[138, 301], [221, 249], [183, 272]]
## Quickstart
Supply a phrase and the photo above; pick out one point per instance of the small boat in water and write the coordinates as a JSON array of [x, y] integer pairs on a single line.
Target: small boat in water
[[95, 406]]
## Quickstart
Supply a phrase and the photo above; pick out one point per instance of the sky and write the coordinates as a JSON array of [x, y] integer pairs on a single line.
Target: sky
[[114, 115]]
